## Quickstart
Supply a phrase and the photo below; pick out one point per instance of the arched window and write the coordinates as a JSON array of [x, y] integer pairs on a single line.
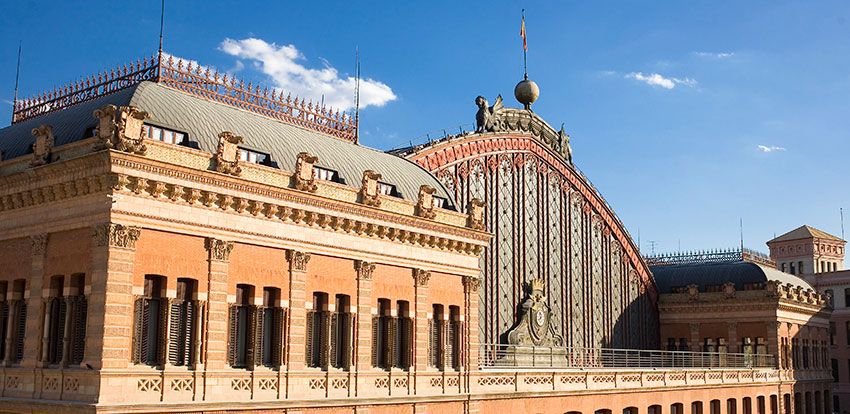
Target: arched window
[[696, 407], [747, 405], [54, 321], [602, 411], [732, 404], [148, 327], [677, 408], [714, 407], [16, 311], [78, 309], [630, 410], [653, 409]]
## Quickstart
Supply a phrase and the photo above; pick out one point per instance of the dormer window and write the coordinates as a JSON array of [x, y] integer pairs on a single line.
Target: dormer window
[[165, 135], [439, 202], [326, 174], [254, 157], [387, 189]]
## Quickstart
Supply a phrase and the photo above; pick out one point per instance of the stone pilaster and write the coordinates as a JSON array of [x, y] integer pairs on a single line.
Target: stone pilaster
[[696, 346], [773, 342], [215, 357], [14, 308], [733, 345], [35, 305], [110, 321], [470, 291], [363, 354], [420, 331], [297, 312]]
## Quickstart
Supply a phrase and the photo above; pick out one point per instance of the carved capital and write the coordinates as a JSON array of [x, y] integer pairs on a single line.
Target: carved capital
[[693, 292], [425, 204], [369, 193], [421, 277], [121, 128], [729, 289], [116, 235], [694, 329], [475, 214], [219, 249], [297, 260], [39, 244], [364, 269], [305, 174], [43, 145], [471, 284], [227, 155]]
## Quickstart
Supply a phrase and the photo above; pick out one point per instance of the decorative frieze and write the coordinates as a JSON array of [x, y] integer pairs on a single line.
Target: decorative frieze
[[305, 174], [369, 192], [116, 235], [227, 155], [425, 202], [297, 260], [421, 277], [364, 269], [219, 249], [121, 128], [43, 145]]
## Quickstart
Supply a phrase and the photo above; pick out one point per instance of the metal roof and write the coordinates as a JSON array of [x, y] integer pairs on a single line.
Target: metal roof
[[203, 120], [706, 274]]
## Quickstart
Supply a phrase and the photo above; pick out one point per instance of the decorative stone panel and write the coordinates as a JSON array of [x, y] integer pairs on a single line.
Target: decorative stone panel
[[219, 249], [227, 155], [369, 194], [297, 260], [475, 211], [43, 145], [116, 235], [305, 174], [121, 128], [364, 270], [425, 203], [421, 277]]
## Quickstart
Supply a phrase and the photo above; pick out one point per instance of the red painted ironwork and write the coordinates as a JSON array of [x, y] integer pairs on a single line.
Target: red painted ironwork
[[190, 77], [711, 256]]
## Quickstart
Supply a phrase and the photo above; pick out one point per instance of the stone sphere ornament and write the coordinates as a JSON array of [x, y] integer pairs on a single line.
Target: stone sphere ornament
[[526, 93]]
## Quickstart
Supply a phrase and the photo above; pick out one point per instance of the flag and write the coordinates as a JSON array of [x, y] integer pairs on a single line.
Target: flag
[[522, 35]]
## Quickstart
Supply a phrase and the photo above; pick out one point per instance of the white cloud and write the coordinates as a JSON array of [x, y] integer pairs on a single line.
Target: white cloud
[[283, 65], [714, 55], [766, 148], [655, 79]]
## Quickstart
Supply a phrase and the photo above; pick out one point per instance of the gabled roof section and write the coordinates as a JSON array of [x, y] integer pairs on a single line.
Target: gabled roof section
[[805, 232]]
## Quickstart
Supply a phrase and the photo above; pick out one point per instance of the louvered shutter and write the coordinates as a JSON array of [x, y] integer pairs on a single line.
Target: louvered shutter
[[21, 329], [78, 333], [392, 341], [160, 340], [188, 332], [335, 340], [174, 334], [407, 349], [432, 342], [309, 351], [375, 340], [138, 330], [258, 316], [348, 357], [277, 336], [324, 340], [232, 340]]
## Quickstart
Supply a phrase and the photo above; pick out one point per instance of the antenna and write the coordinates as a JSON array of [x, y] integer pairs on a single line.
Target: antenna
[[741, 228], [357, 95], [652, 244], [841, 211], [524, 47], [17, 77], [159, 50]]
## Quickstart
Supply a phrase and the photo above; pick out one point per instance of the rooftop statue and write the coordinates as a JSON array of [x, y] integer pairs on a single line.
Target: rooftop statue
[[564, 142], [489, 118]]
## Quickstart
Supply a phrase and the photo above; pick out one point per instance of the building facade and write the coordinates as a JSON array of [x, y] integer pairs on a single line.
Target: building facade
[[174, 240], [819, 258]]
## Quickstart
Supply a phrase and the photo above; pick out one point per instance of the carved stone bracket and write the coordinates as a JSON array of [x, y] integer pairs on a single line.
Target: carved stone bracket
[[369, 193], [43, 145], [364, 269], [475, 213], [227, 155], [471, 284], [297, 260], [305, 174], [219, 249], [729, 289], [121, 128], [693, 292], [116, 235], [425, 204], [39, 244], [421, 277]]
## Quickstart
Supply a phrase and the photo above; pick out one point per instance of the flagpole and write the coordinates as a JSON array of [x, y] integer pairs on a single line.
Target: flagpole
[[524, 49]]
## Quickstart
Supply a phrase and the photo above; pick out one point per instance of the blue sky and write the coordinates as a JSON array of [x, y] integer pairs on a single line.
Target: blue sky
[[667, 102]]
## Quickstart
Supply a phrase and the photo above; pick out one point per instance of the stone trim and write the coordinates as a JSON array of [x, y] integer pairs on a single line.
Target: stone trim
[[421, 277], [116, 235], [219, 249], [297, 260], [364, 269]]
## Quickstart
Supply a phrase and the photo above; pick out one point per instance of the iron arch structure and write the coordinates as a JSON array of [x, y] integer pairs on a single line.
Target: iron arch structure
[[549, 223]]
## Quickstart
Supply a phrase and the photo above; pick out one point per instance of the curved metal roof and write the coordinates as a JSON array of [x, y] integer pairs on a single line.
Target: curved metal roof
[[705, 274], [203, 120]]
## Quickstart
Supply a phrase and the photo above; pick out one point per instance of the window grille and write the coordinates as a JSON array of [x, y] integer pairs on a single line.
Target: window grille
[[149, 323], [165, 135], [326, 174], [254, 157]]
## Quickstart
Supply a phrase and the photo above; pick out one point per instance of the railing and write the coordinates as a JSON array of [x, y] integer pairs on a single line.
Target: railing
[[710, 256], [509, 356], [190, 77]]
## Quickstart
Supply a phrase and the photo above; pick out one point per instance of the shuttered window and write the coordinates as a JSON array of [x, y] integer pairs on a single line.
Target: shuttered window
[[54, 321], [4, 322], [402, 336], [454, 335], [149, 326], [436, 338], [317, 339], [382, 335], [242, 329], [79, 313], [183, 321], [20, 326]]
